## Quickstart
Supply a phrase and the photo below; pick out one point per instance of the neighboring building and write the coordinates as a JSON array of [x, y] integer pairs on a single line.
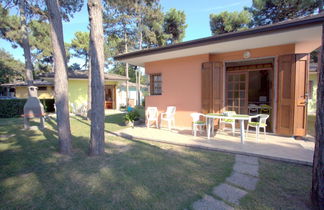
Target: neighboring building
[[115, 90], [18, 89], [312, 91], [263, 65]]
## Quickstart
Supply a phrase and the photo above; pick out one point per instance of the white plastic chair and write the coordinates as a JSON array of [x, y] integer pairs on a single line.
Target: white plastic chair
[[169, 116], [83, 110], [73, 108], [253, 109], [151, 116], [262, 123], [228, 121], [197, 124]]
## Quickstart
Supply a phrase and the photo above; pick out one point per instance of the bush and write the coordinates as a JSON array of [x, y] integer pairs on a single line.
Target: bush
[[11, 107], [15, 107], [141, 111], [132, 116]]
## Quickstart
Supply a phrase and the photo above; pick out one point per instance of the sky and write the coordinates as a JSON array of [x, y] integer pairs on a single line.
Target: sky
[[197, 19]]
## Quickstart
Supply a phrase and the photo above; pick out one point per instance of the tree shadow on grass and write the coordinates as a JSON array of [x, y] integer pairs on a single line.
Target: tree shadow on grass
[[115, 119], [34, 175]]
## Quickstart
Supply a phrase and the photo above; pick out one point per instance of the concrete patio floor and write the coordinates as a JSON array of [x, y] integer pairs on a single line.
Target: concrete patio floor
[[273, 146]]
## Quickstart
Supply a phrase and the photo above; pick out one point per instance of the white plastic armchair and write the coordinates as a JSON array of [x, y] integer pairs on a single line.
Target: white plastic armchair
[[262, 123], [197, 123], [231, 122], [151, 116], [73, 108], [169, 116]]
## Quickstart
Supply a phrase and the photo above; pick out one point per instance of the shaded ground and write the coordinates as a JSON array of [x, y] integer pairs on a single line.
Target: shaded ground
[[131, 175]]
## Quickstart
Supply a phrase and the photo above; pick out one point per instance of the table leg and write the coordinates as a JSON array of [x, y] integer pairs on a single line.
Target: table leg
[[242, 131], [208, 128], [212, 127]]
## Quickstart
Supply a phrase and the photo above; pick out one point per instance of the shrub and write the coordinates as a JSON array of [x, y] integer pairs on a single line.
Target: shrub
[[141, 111], [11, 107], [15, 107], [132, 116]]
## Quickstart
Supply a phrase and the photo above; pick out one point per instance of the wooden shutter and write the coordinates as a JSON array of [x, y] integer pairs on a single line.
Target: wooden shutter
[[301, 90], [292, 89], [206, 87], [218, 88], [212, 87]]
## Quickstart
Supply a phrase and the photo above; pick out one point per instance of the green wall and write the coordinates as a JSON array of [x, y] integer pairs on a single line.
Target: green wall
[[78, 92], [312, 101]]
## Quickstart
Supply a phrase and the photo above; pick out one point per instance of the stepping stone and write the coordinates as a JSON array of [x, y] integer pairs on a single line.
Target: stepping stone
[[210, 203], [247, 159], [229, 193], [245, 181], [245, 168]]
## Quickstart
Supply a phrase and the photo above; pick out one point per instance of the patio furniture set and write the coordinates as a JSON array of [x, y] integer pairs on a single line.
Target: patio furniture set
[[226, 118], [168, 116]]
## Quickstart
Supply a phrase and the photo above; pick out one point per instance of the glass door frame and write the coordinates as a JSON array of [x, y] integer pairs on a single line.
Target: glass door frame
[[236, 91]]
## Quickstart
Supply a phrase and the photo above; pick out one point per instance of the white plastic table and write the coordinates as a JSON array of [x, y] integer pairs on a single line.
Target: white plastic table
[[212, 116]]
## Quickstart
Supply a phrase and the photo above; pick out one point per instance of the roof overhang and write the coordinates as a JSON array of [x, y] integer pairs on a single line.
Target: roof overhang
[[299, 30]]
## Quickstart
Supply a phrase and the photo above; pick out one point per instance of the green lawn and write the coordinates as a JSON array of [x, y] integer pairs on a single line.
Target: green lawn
[[281, 186], [131, 175]]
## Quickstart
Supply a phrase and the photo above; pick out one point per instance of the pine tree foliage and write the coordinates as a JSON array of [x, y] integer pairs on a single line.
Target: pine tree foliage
[[225, 22]]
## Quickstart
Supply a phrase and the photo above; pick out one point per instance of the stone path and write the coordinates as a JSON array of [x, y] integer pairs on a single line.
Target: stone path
[[227, 195]]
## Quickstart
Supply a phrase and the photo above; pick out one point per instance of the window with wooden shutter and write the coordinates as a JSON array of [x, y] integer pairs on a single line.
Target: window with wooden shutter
[[156, 84]]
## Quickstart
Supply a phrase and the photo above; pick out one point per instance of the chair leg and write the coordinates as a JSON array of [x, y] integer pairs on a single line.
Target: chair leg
[[156, 123], [247, 130], [200, 129], [257, 130], [195, 130], [233, 129], [169, 125], [265, 133]]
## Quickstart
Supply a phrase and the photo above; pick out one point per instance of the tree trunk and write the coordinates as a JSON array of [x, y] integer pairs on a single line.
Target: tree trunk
[[60, 78], [96, 146], [139, 87], [25, 43], [127, 85], [126, 68], [89, 86], [140, 43], [317, 194]]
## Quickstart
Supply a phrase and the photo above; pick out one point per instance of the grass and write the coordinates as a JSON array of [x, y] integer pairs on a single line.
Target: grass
[[131, 175], [281, 186]]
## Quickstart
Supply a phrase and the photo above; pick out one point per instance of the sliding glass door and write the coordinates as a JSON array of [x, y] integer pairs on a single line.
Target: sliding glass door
[[237, 92]]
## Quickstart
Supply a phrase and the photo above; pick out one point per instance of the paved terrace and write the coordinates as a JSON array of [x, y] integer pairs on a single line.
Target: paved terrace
[[273, 146]]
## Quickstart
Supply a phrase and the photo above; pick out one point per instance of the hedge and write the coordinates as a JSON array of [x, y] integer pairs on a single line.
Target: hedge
[[15, 107]]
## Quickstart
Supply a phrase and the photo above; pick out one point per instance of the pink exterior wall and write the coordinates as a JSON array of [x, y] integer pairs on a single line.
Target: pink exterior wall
[[181, 86], [181, 78]]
